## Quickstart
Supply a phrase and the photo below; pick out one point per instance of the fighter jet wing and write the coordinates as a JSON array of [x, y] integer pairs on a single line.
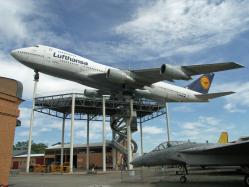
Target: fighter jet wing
[[171, 73], [229, 148]]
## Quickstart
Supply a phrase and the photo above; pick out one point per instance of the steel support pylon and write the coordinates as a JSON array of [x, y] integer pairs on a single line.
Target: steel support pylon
[[141, 136], [103, 134], [128, 124], [62, 138], [87, 143], [167, 122], [36, 79], [72, 134]]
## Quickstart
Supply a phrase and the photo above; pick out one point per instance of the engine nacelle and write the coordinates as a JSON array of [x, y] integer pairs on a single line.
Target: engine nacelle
[[173, 72], [91, 93], [118, 76]]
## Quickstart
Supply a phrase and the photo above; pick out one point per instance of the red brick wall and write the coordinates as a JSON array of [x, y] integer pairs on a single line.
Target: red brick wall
[[8, 114]]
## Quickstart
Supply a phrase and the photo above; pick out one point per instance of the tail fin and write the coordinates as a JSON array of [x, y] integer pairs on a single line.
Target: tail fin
[[202, 84], [223, 138]]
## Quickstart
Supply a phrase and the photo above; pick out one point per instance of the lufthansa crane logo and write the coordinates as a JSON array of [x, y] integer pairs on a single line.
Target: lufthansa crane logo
[[205, 82]]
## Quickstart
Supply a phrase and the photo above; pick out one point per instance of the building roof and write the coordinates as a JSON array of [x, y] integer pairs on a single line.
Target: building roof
[[67, 146], [32, 155], [19, 152]]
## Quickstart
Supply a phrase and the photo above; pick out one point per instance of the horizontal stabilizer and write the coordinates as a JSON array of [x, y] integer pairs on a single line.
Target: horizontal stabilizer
[[213, 95]]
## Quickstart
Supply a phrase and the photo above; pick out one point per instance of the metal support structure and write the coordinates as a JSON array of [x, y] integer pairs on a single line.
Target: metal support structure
[[87, 143], [141, 137], [128, 125], [114, 158], [103, 133], [36, 79], [62, 138], [167, 122], [72, 133]]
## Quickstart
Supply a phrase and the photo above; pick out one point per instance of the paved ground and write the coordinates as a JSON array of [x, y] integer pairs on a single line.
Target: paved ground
[[113, 179]]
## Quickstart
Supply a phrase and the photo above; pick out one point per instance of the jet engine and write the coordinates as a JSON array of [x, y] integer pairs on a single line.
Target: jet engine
[[91, 93], [173, 72], [118, 76]]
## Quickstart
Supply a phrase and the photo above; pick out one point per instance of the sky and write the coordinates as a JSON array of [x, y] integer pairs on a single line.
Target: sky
[[133, 35]]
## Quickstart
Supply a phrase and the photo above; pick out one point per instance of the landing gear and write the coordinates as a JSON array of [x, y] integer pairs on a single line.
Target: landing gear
[[183, 171], [183, 179], [246, 180], [245, 170], [36, 76]]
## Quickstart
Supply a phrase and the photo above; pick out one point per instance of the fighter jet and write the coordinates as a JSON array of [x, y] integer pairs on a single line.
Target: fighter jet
[[106, 80], [189, 153]]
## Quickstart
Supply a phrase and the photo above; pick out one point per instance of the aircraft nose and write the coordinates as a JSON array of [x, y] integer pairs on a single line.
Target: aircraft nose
[[14, 53], [136, 162]]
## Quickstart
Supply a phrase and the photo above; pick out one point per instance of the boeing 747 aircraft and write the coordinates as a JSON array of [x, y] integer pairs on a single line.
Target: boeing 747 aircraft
[[105, 80]]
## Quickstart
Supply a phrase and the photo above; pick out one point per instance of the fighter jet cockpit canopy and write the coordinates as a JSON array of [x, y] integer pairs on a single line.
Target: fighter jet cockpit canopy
[[166, 145]]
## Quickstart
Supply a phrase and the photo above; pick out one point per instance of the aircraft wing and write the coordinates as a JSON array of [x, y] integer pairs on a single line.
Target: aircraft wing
[[208, 68], [171, 73], [229, 148]]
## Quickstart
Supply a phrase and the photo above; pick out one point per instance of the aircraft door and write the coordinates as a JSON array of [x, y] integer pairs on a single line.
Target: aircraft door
[[47, 56], [84, 71], [37, 55]]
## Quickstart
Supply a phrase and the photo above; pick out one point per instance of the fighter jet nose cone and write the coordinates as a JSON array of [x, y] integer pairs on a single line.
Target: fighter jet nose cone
[[132, 162], [136, 162]]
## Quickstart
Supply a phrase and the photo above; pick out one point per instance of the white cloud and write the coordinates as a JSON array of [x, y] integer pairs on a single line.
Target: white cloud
[[203, 128], [12, 15], [25, 134], [181, 108], [44, 129], [163, 28], [238, 102], [152, 130], [25, 23]]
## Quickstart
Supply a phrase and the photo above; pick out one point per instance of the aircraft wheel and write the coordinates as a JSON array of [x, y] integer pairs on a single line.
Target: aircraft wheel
[[246, 180], [183, 179]]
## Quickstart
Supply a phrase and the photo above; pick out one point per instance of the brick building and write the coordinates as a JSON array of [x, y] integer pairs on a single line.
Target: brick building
[[20, 161], [113, 156]]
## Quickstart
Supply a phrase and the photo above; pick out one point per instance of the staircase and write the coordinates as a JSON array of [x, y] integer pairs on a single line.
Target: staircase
[[119, 129]]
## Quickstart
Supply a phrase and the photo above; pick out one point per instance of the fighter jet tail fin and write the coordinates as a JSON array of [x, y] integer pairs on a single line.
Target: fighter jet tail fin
[[202, 84], [223, 138]]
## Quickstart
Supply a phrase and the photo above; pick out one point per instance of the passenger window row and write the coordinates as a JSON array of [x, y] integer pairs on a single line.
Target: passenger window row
[[83, 64], [26, 53]]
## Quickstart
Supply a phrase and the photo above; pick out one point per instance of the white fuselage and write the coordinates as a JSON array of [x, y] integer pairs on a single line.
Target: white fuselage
[[66, 65]]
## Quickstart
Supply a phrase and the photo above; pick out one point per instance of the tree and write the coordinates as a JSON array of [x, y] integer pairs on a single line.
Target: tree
[[36, 148]]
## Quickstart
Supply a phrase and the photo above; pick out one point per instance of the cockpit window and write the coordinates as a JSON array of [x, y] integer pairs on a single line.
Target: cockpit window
[[165, 145]]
